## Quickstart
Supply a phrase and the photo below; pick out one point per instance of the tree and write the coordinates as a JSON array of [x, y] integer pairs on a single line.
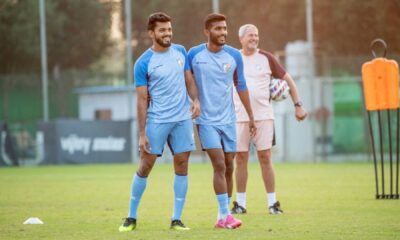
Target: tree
[[83, 35], [186, 16], [276, 28], [77, 34], [347, 27]]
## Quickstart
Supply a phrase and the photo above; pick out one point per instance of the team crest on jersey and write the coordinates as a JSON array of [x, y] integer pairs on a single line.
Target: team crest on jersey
[[258, 67], [180, 62], [226, 67]]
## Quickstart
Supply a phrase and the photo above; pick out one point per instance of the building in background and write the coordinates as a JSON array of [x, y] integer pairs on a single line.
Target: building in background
[[105, 103]]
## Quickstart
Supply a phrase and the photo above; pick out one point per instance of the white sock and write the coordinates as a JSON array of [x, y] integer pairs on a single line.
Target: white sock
[[271, 199], [241, 199]]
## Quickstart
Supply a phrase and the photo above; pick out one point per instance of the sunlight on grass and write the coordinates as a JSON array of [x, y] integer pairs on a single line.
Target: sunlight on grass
[[329, 201]]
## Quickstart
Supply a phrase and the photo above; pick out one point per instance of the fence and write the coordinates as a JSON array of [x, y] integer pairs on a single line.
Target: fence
[[335, 130]]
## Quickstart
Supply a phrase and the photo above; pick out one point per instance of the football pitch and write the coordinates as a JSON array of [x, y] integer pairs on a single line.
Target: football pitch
[[321, 201]]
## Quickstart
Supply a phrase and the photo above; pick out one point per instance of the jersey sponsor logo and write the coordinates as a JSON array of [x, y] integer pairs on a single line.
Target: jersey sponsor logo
[[226, 67]]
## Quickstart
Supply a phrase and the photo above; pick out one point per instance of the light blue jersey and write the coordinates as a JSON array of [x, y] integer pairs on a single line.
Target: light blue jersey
[[215, 75], [163, 74]]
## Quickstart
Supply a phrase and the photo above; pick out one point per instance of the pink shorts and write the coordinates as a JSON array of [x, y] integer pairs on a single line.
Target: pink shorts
[[262, 140]]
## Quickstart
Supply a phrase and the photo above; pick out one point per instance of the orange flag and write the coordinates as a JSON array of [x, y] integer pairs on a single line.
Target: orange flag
[[381, 84]]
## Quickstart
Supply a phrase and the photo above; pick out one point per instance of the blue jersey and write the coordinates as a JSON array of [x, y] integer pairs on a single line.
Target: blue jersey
[[164, 75], [215, 75]]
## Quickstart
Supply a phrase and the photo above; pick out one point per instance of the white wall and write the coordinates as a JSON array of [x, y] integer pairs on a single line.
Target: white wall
[[117, 102]]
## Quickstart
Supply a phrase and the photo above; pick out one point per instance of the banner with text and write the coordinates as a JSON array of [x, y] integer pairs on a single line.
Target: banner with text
[[74, 141]]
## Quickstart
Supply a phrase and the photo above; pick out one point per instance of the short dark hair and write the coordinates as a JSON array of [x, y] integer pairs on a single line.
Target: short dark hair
[[212, 18], [157, 17]]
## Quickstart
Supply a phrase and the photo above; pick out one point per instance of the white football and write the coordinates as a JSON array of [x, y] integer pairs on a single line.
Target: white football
[[279, 89]]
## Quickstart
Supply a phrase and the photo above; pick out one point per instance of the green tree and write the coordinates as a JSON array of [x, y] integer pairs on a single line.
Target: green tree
[[279, 21], [187, 17], [347, 27], [77, 34]]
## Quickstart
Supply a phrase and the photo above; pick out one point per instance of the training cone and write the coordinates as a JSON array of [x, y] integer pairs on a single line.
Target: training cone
[[33, 220]]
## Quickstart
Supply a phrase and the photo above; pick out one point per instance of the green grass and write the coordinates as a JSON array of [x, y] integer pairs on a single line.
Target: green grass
[[321, 201]]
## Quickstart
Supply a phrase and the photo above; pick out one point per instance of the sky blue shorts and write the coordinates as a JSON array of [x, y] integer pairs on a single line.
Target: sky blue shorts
[[178, 135], [218, 136]]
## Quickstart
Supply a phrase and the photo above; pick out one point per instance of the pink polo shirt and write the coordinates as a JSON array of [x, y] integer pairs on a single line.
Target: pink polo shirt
[[258, 69]]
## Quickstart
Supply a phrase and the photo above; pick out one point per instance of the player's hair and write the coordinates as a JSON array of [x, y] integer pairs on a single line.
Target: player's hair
[[243, 29], [212, 18], [157, 17]]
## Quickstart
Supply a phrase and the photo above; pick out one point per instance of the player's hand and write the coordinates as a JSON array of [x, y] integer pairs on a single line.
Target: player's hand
[[144, 144], [252, 128], [195, 108], [300, 113]]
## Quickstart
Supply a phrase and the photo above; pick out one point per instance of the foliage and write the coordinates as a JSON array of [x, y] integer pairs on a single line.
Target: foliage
[[340, 27], [77, 34], [347, 27]]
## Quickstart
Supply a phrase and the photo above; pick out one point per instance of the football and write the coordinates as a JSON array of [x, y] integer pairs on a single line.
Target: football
[[279, 89]]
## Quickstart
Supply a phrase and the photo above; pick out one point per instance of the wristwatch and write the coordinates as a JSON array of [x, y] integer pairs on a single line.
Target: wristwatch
[[298, 104]]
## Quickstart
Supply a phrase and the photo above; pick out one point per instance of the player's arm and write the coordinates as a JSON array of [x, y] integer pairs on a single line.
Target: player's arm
[[193, 94], [142, 105], [279, 72], [300, 112], [245, 99], [242, 91]]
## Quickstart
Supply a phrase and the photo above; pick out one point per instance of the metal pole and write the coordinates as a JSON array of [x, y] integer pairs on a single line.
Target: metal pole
[[390, 152], [215, 6], [129, 77], [128, 31], [310, 33], [310, 41], [43, 46], [374, 155], [397, 154], [382, 150]]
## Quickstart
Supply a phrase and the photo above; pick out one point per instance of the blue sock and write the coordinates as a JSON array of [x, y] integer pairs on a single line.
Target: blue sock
[[180, 190], [138, 187], [223, 204]]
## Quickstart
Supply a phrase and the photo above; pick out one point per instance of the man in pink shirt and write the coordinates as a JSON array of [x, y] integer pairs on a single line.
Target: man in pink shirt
[[259, 68]]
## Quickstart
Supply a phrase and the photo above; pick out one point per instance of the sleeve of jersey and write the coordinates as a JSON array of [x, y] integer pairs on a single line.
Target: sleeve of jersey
[[239, 73], [140, 72], [190, 59], [277, 70], [183, 51]]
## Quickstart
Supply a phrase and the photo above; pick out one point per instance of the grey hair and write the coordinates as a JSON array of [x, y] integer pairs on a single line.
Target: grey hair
[[243, 29]]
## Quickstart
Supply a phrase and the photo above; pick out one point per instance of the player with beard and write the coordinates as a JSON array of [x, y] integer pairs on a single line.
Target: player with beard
[[216, 68], [162, 75]]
